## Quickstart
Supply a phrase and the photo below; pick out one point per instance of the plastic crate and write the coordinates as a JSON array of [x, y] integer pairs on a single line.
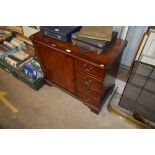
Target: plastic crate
[[34, 84]]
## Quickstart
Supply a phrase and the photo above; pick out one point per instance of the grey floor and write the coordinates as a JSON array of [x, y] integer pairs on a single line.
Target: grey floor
[[49, 108]]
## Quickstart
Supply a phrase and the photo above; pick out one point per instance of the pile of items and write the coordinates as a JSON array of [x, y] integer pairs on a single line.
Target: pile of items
[[19, 57], [94, 38], [88, 38], [16, 52]]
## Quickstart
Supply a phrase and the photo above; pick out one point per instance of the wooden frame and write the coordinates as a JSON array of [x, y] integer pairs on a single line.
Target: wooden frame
[[139, 50], [148, 49], [143, 53]]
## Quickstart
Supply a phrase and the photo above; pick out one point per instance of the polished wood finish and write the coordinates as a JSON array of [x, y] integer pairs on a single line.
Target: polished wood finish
[[88, 99], [87, 76], [89, 69], [91, 91], [59, 67], [87, 80]]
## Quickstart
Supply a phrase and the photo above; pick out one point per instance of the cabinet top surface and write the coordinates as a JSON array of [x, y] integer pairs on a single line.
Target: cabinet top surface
[[106, 58]]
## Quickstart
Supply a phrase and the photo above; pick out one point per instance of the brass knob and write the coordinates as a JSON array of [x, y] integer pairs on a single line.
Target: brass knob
[[68, 50], [53, 45], [101, 65]]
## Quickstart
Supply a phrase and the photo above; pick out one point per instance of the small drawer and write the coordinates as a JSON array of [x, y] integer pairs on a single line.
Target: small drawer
[[52, 43], [88, 80], [89, 68], [87, 90], [88, 99]]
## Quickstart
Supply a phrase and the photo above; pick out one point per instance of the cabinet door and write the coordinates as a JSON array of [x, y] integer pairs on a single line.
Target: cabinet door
[[57, 67]]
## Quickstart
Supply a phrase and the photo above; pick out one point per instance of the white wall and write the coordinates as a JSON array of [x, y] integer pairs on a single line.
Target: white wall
[[122, 31], [134, 36]]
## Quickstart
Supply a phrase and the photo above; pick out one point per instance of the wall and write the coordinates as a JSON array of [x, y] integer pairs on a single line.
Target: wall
[[133, 37], [122, 31]]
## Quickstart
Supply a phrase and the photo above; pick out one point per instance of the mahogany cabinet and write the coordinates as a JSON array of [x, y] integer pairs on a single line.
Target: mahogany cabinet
[[88, 77]]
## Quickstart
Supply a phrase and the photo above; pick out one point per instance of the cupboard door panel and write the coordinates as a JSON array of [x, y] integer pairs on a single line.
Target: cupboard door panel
[[57, 67]]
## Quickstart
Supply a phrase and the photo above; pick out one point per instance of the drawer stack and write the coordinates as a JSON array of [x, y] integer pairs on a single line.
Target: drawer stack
[[89, 83]]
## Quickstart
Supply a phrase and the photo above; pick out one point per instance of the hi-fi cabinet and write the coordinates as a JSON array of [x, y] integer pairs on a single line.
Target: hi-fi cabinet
[[86, 76]]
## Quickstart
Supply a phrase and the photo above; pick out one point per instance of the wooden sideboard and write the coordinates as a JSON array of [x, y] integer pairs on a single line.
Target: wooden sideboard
[[86, 76]]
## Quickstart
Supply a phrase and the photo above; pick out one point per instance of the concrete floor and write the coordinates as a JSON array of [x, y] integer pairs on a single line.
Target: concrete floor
[[49, 108]]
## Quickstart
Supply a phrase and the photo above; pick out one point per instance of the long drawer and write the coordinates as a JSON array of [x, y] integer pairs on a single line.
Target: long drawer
[[98, 95], [87, 80], [89, 68]]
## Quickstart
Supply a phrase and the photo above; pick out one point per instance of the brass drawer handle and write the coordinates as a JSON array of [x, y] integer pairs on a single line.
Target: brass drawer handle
[[86, 68], [88, 90], [87, 81], [89, 69]]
